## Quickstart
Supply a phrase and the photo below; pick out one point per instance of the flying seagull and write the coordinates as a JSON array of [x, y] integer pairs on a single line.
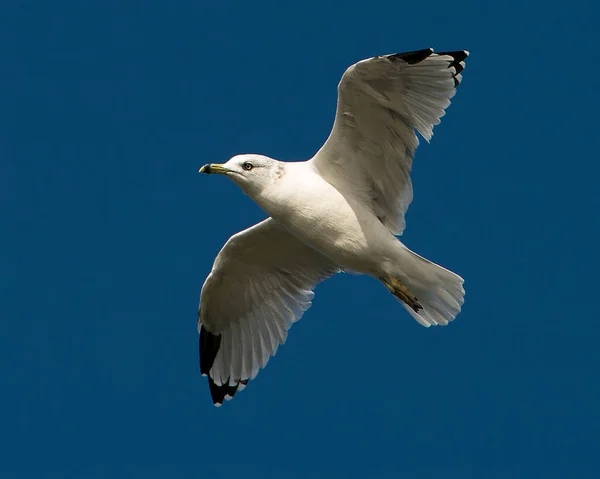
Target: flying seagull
[[342, 210]]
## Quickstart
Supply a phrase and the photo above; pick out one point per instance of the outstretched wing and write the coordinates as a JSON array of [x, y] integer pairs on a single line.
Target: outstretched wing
[[260, 284], [381, 102]]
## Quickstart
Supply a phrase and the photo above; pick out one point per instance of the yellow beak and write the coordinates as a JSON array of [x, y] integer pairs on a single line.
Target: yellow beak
[[213, 168]]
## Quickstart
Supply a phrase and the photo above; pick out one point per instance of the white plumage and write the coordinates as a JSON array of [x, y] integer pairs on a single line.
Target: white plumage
[[261, 284], [338, 211]]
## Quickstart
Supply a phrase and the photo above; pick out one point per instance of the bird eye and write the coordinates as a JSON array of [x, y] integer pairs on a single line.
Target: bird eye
[[247, 166]]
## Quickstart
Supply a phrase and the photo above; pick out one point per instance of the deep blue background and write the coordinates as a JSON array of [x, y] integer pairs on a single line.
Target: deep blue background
[[107, 109]]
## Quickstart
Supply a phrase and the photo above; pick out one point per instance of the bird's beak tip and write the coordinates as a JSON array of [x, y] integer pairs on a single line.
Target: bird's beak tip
[[204, 169]]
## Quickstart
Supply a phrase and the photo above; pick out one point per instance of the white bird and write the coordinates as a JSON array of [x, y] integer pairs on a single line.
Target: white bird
[[339, 211]]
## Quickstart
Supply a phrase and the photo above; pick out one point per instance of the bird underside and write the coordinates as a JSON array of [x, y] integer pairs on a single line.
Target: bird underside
[[262, 280], [395, 286]]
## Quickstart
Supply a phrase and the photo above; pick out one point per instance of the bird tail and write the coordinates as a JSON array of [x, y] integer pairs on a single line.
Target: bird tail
[[438, 291]]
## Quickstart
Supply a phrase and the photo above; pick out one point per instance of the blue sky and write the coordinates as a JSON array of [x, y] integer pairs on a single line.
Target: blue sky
[[108, 109]]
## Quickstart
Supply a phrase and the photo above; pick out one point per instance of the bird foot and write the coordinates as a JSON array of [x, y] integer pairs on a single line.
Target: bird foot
[[401, 292]]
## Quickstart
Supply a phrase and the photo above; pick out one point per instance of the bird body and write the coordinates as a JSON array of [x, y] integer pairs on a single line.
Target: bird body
[[321, 216], [342, 210]]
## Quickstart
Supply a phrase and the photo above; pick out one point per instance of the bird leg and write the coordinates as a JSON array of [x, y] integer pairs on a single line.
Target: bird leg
[[401, 292]]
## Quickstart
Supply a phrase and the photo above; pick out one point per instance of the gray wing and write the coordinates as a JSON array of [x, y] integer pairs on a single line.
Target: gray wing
[[261, 283], [381, 102]]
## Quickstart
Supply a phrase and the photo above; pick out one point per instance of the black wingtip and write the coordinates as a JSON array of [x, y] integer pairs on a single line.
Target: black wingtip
[[412, 57], [220, 393], [458, 57], [208, 346]]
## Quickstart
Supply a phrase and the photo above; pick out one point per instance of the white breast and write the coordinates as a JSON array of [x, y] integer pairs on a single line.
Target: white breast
[[318, 214]]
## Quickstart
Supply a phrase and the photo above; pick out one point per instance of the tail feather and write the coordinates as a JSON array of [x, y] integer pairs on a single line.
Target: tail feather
[[438, 290]]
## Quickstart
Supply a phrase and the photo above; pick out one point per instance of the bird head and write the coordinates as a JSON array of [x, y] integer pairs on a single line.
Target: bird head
[[252, 173]]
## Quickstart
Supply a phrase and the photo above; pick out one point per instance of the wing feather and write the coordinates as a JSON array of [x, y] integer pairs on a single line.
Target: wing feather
[[382, 103], [261, 283]]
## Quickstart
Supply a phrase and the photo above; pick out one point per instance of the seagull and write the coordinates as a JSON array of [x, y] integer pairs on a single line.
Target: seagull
[[340, 211]]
